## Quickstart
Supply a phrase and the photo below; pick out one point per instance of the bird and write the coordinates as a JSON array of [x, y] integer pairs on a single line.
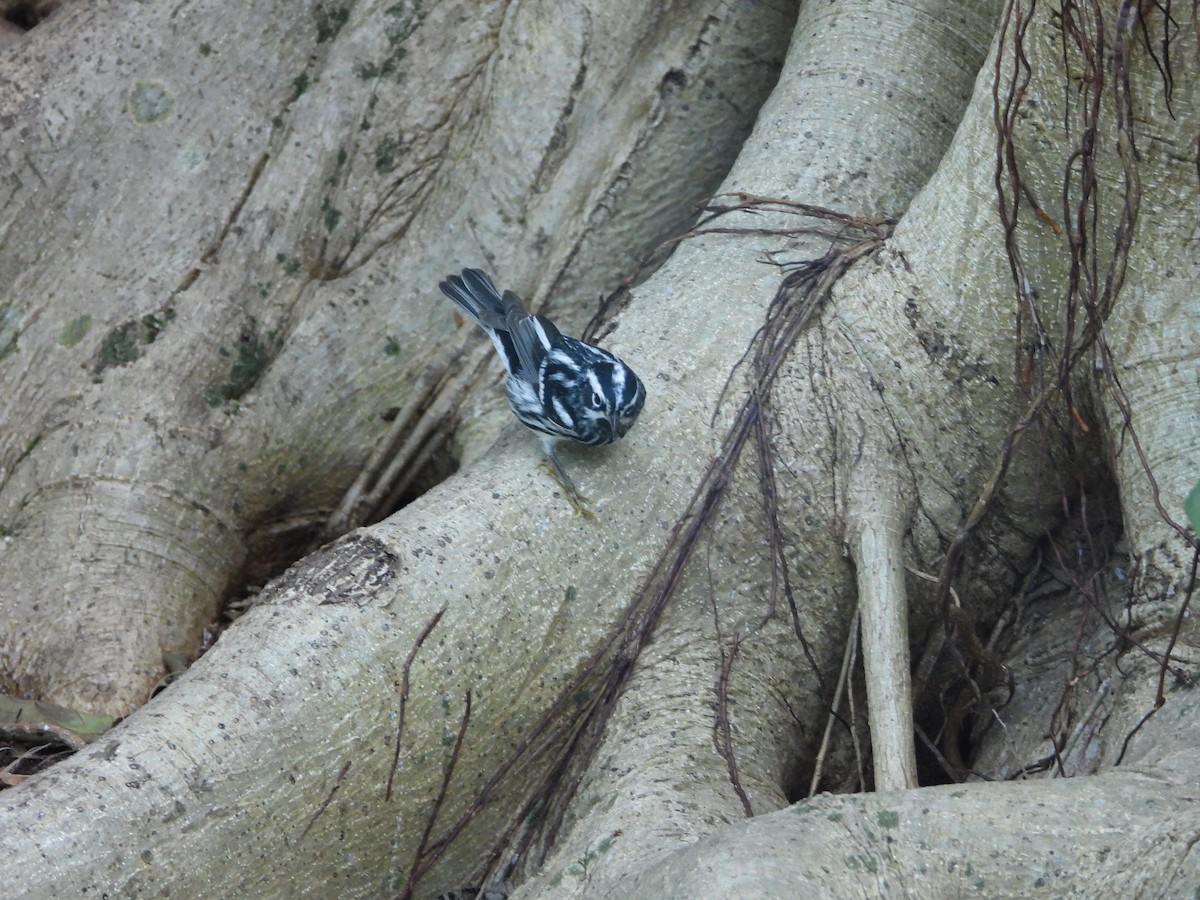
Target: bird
[[561, 387]]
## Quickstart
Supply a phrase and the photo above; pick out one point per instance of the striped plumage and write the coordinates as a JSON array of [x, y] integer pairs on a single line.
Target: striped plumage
[[559, 386]]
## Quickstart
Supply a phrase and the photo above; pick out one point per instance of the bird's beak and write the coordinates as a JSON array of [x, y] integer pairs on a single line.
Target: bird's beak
[[614, 419]]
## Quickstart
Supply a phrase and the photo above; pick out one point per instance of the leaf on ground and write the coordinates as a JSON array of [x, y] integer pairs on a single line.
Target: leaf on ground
[[86, 726], [1191, 506]]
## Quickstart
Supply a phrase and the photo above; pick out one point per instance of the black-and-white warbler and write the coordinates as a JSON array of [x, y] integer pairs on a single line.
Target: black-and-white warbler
[[559, 386]]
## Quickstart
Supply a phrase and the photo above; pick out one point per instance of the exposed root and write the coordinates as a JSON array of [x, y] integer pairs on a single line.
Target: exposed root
[[876, 531]]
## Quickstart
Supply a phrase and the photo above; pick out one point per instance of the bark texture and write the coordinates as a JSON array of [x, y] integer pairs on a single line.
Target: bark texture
[[206, 324], [483, 690]]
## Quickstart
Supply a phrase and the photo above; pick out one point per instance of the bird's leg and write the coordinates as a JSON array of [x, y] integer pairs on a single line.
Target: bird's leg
[[554, 466]]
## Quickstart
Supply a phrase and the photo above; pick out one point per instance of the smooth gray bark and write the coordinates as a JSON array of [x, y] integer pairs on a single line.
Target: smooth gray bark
[[220, 275], [474, 630]]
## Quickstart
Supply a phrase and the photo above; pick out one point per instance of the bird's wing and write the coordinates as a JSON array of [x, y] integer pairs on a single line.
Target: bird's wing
[[533, 337]]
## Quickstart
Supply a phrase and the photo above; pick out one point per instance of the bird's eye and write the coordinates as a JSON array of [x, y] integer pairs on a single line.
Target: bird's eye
[[597, 401]]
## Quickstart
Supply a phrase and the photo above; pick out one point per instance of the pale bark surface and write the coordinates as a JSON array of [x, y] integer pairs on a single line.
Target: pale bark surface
[[206, 323], [482, 686]]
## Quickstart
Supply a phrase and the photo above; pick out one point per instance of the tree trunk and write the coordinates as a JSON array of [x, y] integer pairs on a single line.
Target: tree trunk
[[201, 355], [483, 689]]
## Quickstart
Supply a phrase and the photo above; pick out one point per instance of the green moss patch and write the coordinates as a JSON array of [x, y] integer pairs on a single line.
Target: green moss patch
[[75, 331], [150, 102], [251, 359]]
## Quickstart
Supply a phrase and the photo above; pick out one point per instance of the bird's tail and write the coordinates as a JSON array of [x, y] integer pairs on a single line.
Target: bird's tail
[[500, 316], [475, 294]]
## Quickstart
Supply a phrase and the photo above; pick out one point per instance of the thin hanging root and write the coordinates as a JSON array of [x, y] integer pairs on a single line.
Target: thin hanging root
[[406, 462], [848, 656], [403, 450]]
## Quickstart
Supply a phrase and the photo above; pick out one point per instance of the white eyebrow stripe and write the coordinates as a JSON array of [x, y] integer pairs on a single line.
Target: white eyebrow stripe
[[618, 380], [594, 381]]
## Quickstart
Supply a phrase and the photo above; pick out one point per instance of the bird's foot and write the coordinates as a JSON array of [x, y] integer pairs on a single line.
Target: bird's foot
[[578, 501]]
